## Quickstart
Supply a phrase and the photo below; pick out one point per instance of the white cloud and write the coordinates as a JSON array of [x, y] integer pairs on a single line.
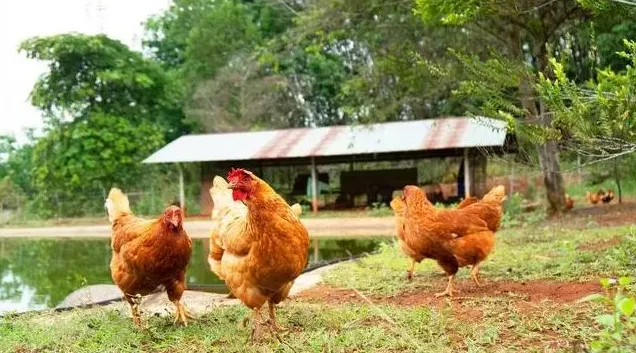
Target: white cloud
[[119, 19]]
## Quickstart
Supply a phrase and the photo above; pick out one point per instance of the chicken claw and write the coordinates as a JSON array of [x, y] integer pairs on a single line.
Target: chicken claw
[[135, 303], [449, 289], [411, 271], [272, 319], [257, 327], [182, 314]]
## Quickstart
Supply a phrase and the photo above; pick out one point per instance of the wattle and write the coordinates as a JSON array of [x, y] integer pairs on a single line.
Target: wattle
[[239, 195]]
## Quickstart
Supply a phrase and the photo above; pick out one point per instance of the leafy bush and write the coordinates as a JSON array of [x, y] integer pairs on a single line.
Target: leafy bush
[[379, 209], [618, 326]]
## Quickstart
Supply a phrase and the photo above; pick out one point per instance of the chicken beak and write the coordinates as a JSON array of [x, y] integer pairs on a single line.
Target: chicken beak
[[231, 185], [174, 221]]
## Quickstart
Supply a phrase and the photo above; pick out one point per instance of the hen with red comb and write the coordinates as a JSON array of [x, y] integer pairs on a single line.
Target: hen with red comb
[[265, 251]]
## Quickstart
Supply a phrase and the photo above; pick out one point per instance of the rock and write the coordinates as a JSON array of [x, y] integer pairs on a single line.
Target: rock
[[89, 295], [158, 304]]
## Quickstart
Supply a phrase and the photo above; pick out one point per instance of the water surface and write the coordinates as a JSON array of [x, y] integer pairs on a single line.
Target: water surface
[[40, 273]]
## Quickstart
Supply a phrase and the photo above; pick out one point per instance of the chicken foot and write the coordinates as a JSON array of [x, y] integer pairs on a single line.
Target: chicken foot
[[135, 301], [411, 271], [450, 290], [272, 318], [257, 326], [182, 314]]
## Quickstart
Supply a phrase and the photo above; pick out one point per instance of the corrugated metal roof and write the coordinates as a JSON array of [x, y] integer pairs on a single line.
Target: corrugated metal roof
[[418, 135]]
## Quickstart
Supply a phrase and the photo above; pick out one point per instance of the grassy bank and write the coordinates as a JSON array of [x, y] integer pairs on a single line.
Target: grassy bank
[[528, 303]]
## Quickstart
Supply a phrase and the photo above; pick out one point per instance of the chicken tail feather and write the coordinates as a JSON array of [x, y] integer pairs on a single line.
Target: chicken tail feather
[[117, 204]]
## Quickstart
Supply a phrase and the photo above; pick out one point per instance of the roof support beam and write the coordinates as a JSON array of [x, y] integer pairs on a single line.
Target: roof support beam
[[314, 185], [467, 174], [181, 188]]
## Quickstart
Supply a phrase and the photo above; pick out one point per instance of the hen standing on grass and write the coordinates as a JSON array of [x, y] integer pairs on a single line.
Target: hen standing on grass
[[263, 252], [489, 209], [454, 238], [148, 255]]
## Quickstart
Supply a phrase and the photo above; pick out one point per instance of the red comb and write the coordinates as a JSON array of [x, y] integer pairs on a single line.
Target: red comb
[[235, 172]]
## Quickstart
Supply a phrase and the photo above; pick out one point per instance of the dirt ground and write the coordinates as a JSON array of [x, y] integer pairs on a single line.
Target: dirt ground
[[613, 214], [532, 292]]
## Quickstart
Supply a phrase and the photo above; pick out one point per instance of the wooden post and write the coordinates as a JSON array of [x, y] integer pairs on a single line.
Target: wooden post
[[181, 189], [578, 167], [511, 180], [316, 249], [314, 185], [467, 178]]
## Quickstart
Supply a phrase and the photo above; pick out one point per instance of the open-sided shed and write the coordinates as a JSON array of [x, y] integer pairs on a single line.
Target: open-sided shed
[[471, 138]]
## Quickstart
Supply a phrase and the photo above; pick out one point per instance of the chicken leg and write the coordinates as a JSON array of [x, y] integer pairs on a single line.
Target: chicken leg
[[474, 273], [272, 317], [449, 289], [257, 326], [134, 301], [182, 314], [411, 271]]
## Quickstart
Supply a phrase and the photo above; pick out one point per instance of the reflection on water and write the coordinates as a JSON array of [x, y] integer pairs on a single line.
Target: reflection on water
[[40, 273]]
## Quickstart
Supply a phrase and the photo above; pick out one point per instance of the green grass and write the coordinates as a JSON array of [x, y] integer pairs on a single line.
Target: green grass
[[520, 254], [493, 322], [313, 328]]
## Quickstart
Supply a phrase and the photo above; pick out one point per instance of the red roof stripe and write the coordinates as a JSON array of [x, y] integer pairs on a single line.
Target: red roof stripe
[[458, 133], [263, 152], [430, 141], [281, 144], [326, 140], [293, 141]]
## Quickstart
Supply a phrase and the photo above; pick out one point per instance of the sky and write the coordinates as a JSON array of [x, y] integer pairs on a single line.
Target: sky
[[19, 20]]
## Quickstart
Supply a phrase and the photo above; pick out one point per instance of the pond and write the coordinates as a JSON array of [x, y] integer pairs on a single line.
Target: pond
[[40, 273]]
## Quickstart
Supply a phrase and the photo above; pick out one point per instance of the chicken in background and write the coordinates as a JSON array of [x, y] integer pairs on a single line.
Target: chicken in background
[[263, 251], [608, 196], [569, 203], [600, 196], [148, 255], [454, 238], [593, 198], [489, 209]]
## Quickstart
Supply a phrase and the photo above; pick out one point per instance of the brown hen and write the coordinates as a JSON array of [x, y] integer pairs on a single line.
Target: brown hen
[[264, 251], [148, 255]]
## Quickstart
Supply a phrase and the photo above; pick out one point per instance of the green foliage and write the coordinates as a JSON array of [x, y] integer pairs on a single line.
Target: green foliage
[[106, 108], [79, 162], [603, 110], [380, 209], [89, 74], [618, 325], [220, 34]]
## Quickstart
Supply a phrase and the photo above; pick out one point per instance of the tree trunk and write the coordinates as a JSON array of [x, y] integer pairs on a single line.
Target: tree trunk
[[552, 177], [538, 114], [617, 179]]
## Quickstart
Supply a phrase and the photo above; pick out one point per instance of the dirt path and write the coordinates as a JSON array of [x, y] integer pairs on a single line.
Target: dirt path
[[198, 229], [524, 295]]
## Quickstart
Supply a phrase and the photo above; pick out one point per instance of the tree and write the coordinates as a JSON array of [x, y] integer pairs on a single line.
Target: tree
[[77, 163], [187, 22], [106, 108], [213, 45], [600, 117], [16, 164], [241, 98], [524, 30], [381, 47], [96, 74]]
